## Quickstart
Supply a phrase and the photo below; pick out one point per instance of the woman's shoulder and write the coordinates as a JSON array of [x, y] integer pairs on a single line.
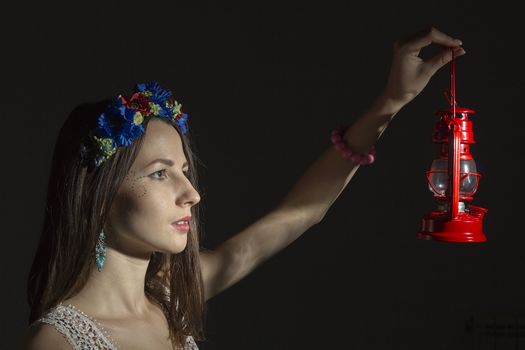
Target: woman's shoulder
[[43, 336], [73, 327]]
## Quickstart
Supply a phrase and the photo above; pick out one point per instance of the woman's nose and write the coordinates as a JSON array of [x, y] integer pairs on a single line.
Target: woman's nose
[[194, 198], [190, 196]]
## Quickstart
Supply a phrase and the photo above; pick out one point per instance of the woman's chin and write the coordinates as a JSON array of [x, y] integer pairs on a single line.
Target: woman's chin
[[174, 248]]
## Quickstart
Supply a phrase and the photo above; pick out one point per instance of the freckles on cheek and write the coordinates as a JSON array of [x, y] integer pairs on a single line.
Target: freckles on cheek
[[138, 201], [138, 189]]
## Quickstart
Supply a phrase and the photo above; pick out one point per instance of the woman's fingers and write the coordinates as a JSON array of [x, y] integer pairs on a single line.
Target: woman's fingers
[[424, 38], [442, 58], [409, 73]]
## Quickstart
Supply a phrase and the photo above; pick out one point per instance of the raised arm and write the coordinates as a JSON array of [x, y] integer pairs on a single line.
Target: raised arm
[[312, 195]]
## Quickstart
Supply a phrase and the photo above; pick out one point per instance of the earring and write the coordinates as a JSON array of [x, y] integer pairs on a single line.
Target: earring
[[100, 251]]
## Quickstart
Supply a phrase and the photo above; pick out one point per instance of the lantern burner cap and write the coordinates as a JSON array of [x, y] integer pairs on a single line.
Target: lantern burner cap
[[445, 206]]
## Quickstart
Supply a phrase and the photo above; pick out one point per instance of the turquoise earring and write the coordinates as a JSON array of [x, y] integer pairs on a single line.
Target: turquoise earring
[[100, 251]]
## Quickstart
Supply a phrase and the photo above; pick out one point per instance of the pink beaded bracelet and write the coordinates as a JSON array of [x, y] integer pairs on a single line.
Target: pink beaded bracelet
[[340, 145]]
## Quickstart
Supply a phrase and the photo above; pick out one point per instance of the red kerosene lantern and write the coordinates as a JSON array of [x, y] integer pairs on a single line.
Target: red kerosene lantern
[[453, 178]]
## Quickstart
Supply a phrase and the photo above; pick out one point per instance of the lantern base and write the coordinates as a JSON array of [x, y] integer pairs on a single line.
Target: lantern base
[[466, 227]]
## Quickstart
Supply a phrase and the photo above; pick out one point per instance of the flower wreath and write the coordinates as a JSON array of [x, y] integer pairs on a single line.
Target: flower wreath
[[121, 122]]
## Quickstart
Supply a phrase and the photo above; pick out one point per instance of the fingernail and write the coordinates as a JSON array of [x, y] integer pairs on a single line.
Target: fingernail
[[458, 41]]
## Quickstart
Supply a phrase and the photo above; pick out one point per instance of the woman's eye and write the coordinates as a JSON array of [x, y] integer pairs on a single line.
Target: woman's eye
[[163, 171], [160, 171]]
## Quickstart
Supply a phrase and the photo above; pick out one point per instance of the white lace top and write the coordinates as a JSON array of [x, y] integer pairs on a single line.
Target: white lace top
[[84, 332]]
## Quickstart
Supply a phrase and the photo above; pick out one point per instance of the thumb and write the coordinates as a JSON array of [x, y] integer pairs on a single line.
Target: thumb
[[442, 58]]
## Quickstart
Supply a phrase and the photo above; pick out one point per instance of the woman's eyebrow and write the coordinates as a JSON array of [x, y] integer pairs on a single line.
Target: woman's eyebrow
[[165, 161]]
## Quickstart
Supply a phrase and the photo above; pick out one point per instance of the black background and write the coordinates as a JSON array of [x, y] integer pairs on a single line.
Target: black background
[[263, 84]]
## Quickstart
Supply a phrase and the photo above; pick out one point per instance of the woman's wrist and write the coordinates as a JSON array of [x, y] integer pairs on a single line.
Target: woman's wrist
[[364, 132], [386, 105]]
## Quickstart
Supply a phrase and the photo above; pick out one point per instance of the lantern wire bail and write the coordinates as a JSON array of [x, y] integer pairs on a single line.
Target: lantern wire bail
[[450, 95]]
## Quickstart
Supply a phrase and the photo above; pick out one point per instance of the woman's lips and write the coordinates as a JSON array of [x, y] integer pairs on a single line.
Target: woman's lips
[[184, 228]]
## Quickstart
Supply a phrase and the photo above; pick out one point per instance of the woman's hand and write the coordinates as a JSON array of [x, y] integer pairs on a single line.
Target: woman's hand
[[409, 74]]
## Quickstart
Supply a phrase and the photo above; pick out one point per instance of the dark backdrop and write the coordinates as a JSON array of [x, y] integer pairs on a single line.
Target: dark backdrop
[[263, 84]]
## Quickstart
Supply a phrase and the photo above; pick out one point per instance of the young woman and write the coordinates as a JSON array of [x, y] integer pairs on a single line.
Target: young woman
[[119, 263]]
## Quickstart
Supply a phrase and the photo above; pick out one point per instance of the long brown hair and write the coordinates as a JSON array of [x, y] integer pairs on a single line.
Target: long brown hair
[[77, 203]]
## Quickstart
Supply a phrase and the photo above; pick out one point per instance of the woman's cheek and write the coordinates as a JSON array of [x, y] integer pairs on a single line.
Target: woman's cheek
[[146, 194], [137, 188]]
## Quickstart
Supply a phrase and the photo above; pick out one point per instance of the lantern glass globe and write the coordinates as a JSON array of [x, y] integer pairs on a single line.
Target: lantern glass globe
[[438, 177]]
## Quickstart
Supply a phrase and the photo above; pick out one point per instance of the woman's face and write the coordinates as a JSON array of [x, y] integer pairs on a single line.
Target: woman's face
[[152, 197]]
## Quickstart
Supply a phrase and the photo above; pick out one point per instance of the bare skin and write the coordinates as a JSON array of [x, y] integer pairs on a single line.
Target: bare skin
[[140, 219]]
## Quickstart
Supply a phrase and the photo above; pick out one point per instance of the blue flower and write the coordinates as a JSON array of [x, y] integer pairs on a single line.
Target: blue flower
[[181, 123], [165, 112], [128, 133], [118, 123], [154, 92], [114, 116]]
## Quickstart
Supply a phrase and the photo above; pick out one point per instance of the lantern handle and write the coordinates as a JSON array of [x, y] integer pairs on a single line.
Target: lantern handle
[[450, 95], [452, 100]]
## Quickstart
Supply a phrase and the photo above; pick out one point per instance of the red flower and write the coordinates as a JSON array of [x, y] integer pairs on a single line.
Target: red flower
[[139, 102]]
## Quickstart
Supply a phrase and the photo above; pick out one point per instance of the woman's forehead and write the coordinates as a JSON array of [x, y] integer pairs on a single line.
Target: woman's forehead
[[161, 141]]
